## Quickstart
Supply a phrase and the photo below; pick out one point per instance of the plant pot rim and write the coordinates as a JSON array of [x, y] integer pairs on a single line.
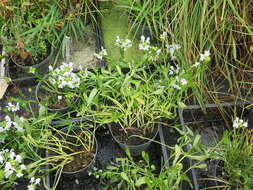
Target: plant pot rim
[[156, 128], [50, 109], [46, 60], [95, 155]]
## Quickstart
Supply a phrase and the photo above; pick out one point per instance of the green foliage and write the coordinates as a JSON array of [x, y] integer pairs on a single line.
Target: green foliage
[[129, 174], [235, 152]]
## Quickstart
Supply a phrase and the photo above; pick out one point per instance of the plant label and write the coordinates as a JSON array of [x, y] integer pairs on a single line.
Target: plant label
[[3, 87]]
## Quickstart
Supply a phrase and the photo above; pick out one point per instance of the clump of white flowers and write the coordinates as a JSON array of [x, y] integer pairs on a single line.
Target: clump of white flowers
[[33, 183], [8, 124], [205, 57], [123, 43], [101, 54], [12, 107], [145, 43], [64, 77], [174, 70], [11, 165], [239, 123], [171, 50], [179, 82]]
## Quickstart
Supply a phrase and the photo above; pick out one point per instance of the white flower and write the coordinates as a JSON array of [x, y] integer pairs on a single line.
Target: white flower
[[23, 167], [12, 107], [97, 176], [144, 44], [183, 81], [50, 68], [101, 54], [18, 127], [123, 43], [171, 49], [239, 123], [176, 86], [19, 175], [18, 158], [206, 54], [12, 155], [59, 98], [174, 70], [31, 187], [8, 122], [196, 64], [163, 35], [8, 170], [1, 159]]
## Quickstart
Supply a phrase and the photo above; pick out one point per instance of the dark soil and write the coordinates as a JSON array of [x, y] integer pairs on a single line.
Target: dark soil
[[80, 160], [25, 92], [51, 100], [128, 138]]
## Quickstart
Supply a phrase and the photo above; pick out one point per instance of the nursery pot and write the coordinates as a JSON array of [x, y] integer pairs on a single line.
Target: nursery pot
[[41, 68], [135, 150], [84, 171], [37, 91]]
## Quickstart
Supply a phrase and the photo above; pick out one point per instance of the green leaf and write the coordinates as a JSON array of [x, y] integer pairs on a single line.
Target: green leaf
[[111, 168], [92, 95], [140, 181], [124, 176], [196, 140], [181, 104]]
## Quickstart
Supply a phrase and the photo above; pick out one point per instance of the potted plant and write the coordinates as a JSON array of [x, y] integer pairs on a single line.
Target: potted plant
[[234, 151], [29, 45], [58, 90], [72, 151]]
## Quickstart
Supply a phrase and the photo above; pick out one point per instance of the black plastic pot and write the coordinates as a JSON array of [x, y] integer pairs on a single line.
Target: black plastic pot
[[135, 150], [41, 68], [84, 171], [186, 122]]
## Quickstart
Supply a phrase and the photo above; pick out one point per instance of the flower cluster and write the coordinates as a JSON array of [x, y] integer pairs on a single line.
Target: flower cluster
[[205, 57], [123, 43], [163, 36], [64, 77], [101, 54], [145, 43], [179, 83], [153, 51], [7, 125], [12, 107], [174, 70], [11, 165], [95, 172], [33, 183], [171, 50], [239, 123]]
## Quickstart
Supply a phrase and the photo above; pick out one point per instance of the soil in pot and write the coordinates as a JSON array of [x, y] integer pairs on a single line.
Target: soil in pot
[[131, 138], [83, 158], [52, 100]]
